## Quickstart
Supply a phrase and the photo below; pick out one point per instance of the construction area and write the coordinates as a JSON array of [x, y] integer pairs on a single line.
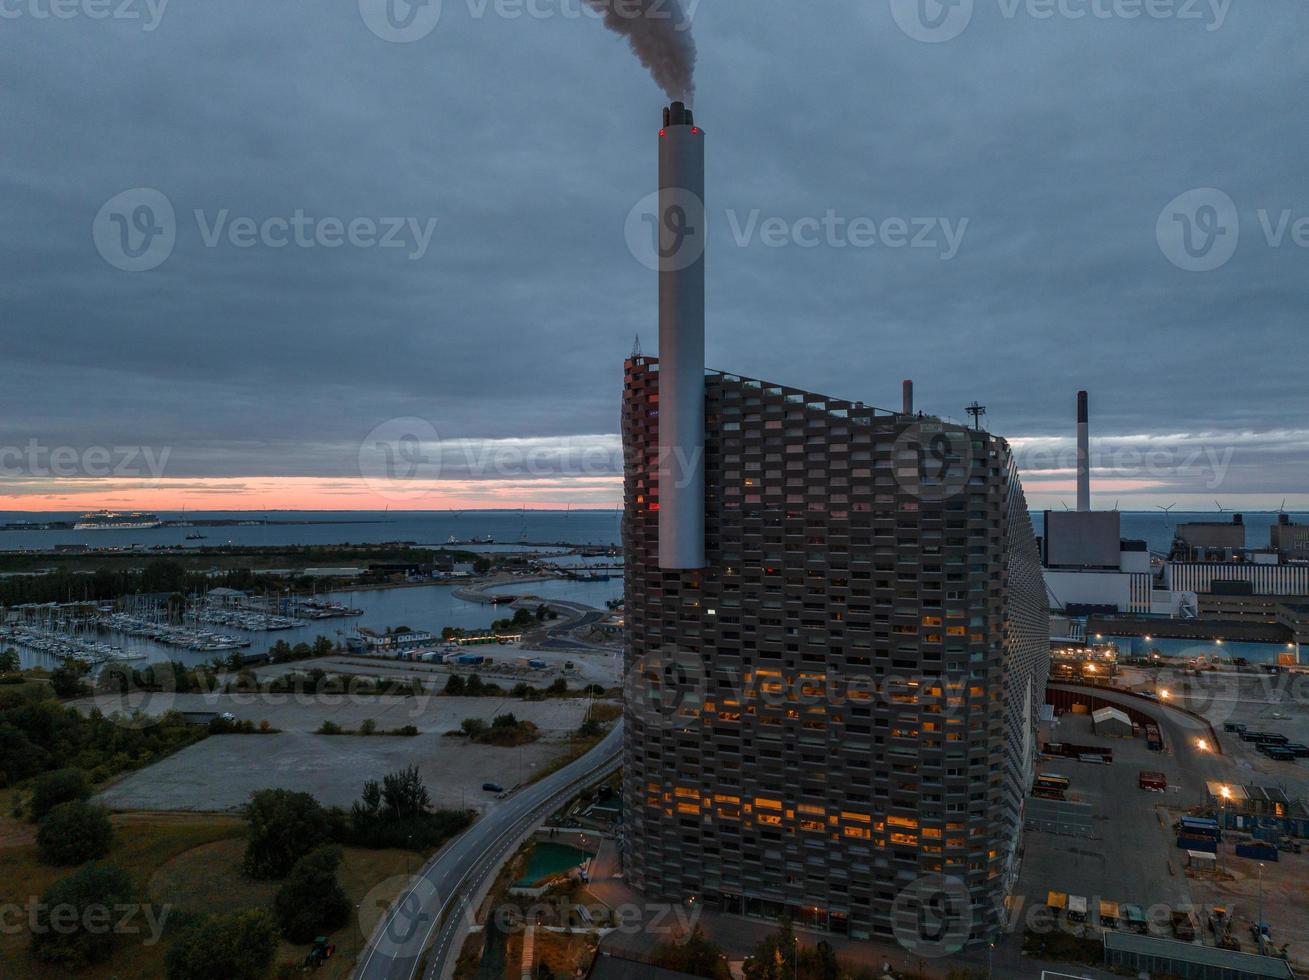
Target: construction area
[[1147, 821]]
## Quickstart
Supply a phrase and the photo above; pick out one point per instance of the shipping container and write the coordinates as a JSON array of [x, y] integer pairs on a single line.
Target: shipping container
[[1135, 918], [1077, 908], [1258, 850], [1108, 914], [1155, 781], [1189, 842]]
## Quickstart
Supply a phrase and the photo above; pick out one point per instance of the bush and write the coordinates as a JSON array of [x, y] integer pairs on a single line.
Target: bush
[[232, 946], [87, 890], [9, 661], [284, 827], [312, 902], [367, 727], [397, 813], [329, 728], [696, 955], [472, 727], [455, 685], [74, 832], [61, 786], [67, 682]]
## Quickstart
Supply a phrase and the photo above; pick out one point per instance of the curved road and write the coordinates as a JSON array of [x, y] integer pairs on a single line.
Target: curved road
[[432, 909]]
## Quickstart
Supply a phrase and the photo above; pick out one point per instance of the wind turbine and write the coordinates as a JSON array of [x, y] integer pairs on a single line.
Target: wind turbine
[[1221, 508]]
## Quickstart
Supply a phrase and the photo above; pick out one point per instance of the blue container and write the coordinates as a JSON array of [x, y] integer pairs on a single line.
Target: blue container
[[1258, 850], [1206, 844]]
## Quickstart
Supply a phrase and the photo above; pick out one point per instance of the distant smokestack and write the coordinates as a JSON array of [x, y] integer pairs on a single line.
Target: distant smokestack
[[1083, 452], [908, 398], [681, 341]]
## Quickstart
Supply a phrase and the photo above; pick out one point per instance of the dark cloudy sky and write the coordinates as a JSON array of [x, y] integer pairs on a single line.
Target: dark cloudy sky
[[1052, 144]]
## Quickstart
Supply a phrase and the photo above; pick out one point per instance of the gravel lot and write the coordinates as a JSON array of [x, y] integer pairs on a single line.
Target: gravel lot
[[221, 772]]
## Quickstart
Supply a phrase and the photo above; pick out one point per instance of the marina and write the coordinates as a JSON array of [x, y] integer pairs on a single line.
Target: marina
[[429, 608]]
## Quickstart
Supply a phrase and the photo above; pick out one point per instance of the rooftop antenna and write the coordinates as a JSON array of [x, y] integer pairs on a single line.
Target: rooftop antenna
[[636, 347], [976, 411]]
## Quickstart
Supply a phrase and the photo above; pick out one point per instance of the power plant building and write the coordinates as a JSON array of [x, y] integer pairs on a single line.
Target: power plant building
[[835, 701]]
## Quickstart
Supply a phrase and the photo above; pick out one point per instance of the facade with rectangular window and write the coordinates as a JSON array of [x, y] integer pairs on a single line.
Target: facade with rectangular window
[[841, 705]]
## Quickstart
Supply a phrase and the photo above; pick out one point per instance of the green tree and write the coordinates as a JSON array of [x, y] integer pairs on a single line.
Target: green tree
[[312, 902], [472, 727], [403, 794], [323, 647], [776, 957], [60, 786], [231, 946], [74, 832], [284, 827], [69, 918], [455, 685], [9, 661], [506, 720]]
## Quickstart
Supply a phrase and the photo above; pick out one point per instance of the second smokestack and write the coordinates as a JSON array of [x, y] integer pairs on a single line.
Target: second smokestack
[[908, 398], [1083, 451]]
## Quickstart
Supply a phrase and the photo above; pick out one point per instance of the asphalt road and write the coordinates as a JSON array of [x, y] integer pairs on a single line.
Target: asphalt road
[[432, 909]]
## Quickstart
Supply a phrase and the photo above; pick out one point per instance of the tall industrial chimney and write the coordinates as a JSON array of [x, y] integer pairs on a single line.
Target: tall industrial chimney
[[908, 398], [1083, 452], [681, 341]]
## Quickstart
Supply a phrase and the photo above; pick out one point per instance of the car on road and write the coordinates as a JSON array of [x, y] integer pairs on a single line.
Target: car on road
[[493, 788]]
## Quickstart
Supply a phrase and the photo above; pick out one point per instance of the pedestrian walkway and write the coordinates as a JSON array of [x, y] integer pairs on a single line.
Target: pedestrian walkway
[[529, 950]]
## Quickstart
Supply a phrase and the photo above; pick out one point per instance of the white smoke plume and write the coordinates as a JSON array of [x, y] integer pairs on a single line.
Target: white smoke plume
[[660, 34]]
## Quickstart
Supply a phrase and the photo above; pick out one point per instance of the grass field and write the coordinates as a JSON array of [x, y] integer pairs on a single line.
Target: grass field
[[190, 862]]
